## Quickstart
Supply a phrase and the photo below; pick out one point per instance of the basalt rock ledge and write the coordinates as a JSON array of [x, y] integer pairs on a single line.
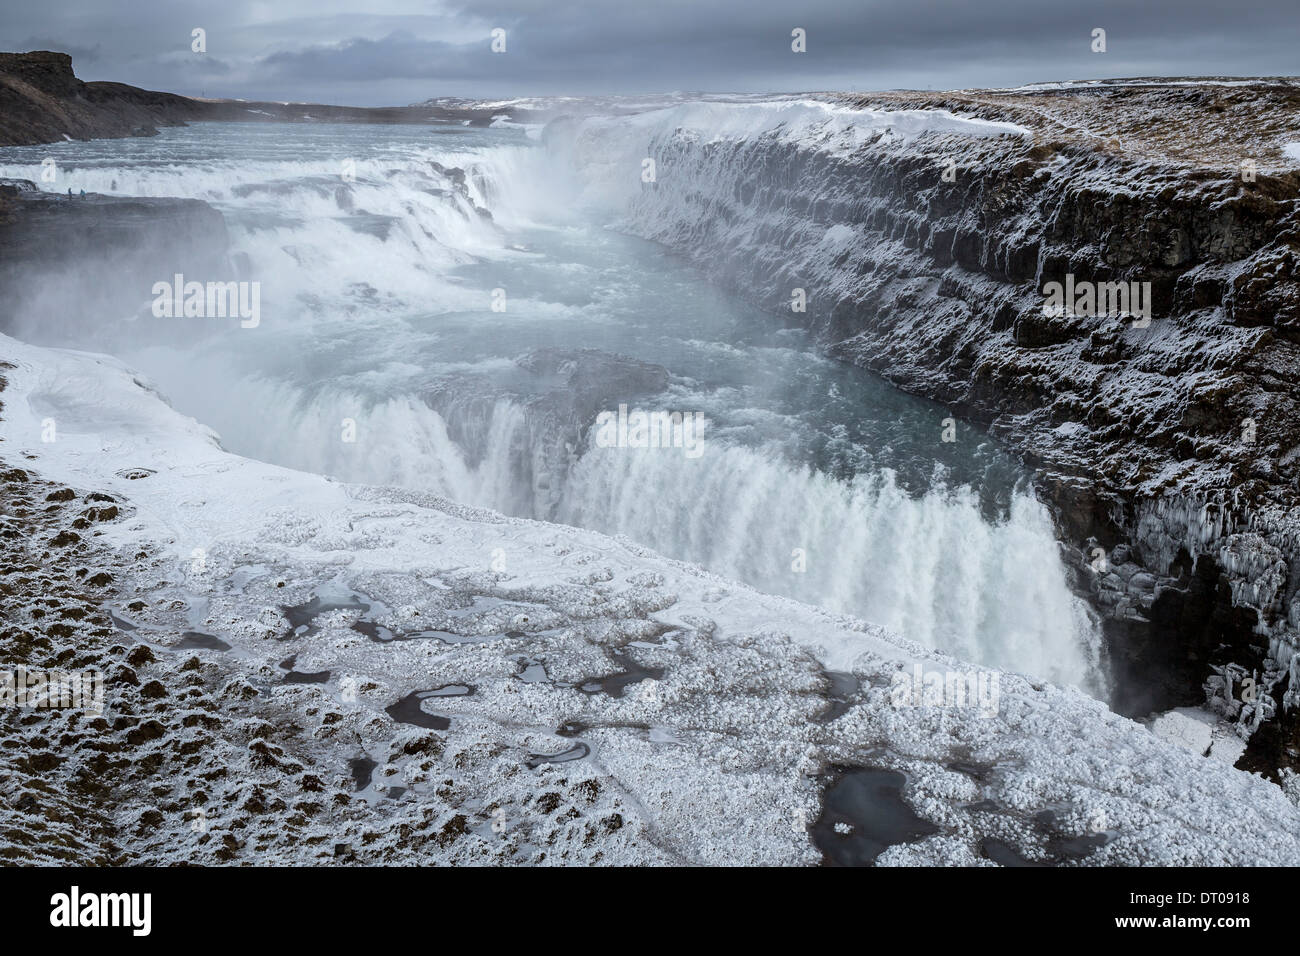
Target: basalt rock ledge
[[1168, 447]]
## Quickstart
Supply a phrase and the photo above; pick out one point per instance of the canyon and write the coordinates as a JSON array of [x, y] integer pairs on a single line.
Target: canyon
[[1135, 434], [916, 235]]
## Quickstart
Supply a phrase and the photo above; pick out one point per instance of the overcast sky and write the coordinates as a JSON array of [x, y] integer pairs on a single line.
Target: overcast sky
[[386, 52]]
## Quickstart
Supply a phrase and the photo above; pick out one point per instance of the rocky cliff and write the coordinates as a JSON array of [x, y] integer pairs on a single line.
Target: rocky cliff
[[42, 101], [1167, 438]]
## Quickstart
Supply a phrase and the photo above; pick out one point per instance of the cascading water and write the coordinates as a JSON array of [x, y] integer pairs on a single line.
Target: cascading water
[[439, 313], [931, 568]]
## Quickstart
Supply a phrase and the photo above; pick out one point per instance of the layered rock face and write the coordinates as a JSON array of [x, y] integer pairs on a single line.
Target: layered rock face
[[1166, 436]]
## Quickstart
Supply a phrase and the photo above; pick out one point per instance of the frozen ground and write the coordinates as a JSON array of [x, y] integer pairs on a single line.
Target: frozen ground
[[591, 701], [1180, 122]]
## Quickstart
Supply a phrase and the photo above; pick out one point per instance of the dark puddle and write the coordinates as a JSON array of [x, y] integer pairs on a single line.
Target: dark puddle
[[844, 687], [300, 616], [532, 670], [361, 768], [376, 632], [306, 677], [120, 624], [301, 677], [575, 728], [870, 801], [196, 640], [1004, 855], [1076, 847], [1060, 847], [408, 709], [383, 635], [615, 684], [577, 752]]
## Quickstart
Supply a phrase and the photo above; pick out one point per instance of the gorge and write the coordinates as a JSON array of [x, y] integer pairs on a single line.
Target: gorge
[[1065, 500]]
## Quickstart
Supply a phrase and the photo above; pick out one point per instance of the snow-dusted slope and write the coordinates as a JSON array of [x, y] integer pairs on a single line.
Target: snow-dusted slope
[[715, 748]]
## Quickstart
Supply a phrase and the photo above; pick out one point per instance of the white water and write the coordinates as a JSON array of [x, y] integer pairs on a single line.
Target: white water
[[931, 568], [371, 302]]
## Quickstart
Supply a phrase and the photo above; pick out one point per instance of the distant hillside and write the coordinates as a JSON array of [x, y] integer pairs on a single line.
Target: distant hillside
[[42, 101]]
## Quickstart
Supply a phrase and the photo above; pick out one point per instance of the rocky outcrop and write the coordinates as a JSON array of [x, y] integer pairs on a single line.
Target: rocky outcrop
[[42, 101], [93, 259], [1168, 445]]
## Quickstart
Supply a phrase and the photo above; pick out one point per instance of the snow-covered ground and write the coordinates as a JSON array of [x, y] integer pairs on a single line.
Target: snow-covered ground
[[835, 128], [714, 749]]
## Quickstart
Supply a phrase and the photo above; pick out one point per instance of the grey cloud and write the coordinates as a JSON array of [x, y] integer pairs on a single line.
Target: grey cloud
[[396, 51]]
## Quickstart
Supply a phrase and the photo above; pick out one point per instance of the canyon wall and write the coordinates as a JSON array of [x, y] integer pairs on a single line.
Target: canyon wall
[[1168, 446]]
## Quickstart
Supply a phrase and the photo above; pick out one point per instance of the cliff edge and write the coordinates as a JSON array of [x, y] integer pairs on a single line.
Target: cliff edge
[[923, 234], [42, 101]]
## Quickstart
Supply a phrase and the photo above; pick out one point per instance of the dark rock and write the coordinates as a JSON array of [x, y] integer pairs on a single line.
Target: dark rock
[[41, 101]]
